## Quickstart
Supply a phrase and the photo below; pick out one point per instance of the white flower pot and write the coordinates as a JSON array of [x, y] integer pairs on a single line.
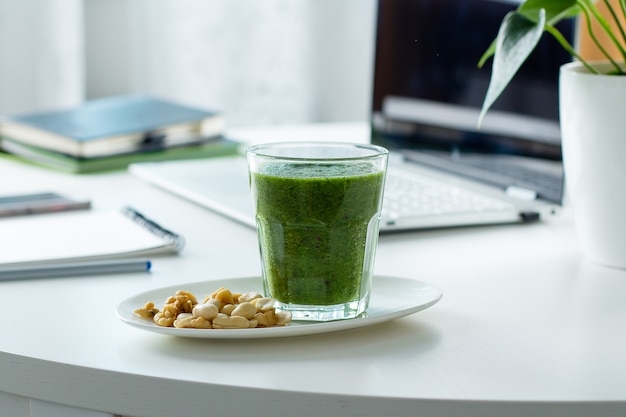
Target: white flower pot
[[593, 125]]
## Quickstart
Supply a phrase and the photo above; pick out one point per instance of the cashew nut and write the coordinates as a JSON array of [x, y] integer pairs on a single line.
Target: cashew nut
[[207, 311], [221, 309], [231, 322], [246, 310], [193, 323]]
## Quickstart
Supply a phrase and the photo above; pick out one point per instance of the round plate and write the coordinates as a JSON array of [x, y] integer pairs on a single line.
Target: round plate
[[391, 298]]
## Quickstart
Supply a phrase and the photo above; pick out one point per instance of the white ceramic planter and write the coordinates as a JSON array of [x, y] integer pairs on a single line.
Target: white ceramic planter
[[593, 125]]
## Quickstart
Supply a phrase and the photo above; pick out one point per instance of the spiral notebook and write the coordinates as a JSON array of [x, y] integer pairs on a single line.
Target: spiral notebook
[[83, 236]]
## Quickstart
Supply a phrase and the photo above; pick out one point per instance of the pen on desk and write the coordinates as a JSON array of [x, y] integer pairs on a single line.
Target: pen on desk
[[75, 268]]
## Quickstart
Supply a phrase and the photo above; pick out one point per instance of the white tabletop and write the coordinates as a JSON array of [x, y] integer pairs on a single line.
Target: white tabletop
[[526, 326]]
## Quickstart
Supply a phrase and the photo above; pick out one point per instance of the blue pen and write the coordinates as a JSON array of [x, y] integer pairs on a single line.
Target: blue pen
[[75, 268]]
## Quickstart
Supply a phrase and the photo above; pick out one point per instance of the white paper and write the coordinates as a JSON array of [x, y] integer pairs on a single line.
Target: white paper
[[84, 235]]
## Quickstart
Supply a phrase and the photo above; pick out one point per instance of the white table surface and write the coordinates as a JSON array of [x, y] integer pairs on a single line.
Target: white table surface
[[526, 326]]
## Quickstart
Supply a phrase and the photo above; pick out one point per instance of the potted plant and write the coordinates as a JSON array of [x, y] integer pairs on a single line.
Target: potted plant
[[592, 106]]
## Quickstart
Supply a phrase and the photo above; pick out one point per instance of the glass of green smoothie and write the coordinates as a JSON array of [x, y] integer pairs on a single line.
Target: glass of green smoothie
[[317, 207]]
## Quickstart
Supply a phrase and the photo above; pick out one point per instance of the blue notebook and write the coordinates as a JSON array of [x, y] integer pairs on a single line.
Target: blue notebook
[[114, 125]]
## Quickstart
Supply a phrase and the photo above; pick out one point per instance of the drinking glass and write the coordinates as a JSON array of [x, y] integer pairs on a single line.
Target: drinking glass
[[317, 208]]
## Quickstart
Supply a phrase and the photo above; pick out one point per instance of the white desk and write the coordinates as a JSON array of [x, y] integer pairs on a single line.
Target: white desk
[[526, 327]]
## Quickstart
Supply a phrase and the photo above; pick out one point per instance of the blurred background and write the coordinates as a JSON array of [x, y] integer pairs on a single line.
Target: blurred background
[[260, 62]]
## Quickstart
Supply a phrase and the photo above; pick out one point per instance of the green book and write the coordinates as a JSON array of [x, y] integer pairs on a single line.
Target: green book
[[50, 159]]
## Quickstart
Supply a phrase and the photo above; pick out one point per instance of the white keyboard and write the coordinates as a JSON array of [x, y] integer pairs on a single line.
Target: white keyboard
[[408, 195]]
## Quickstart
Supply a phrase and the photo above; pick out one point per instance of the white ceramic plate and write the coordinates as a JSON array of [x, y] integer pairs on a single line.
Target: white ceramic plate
[[391, 298]]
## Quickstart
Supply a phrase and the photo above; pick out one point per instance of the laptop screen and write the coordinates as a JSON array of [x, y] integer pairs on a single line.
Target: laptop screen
[[428, 91]]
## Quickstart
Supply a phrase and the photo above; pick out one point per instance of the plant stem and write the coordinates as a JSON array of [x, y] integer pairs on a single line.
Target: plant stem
[[622, 4], [615, 18], [566, 45], [586, 8]]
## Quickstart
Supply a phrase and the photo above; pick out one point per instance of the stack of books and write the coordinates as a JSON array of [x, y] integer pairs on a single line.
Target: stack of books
[[113, 132]]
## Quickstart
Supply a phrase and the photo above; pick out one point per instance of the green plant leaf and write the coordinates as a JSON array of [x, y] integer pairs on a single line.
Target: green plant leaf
[[555, 11], [517, 38]]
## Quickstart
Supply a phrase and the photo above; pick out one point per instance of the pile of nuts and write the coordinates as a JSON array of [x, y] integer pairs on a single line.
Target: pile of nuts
[[220, 310]]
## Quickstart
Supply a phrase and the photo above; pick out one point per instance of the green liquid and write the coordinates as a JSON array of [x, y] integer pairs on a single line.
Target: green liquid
[[313, 223]]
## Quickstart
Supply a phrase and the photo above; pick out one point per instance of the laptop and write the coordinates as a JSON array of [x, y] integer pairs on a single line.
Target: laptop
[[427, 94]]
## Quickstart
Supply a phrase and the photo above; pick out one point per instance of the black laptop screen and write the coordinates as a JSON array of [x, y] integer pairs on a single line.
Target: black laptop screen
[[428, 90]]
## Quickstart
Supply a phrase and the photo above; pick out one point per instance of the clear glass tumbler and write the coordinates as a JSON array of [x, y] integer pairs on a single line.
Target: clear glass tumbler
[[317, 207]]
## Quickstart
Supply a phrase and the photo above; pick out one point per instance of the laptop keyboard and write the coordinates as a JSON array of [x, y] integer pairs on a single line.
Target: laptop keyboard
[[549, 183], [542, 176], [407, 195]]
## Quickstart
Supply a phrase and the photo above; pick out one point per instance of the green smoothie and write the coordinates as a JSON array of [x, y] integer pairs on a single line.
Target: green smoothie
[[313, 222]]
